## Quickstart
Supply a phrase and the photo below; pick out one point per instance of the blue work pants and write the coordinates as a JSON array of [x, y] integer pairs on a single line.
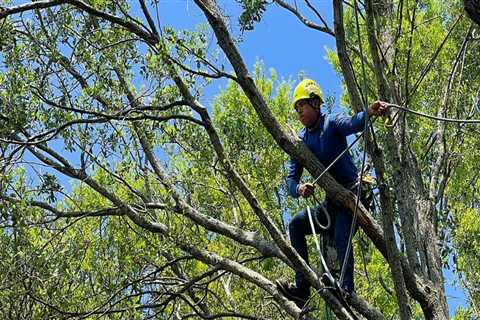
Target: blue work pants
[[299, 228]]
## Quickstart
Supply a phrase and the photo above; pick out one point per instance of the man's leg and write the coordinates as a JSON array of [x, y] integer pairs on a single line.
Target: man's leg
[[299, 228], [343, 224]]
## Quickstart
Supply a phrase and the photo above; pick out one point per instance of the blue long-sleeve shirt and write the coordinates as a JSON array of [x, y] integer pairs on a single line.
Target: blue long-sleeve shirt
[[327, 141]]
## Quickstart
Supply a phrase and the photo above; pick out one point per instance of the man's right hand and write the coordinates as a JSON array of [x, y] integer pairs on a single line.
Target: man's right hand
[[306, 189], [379, 108]]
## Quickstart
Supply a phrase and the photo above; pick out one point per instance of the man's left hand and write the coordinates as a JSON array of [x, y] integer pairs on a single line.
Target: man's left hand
[[379, 108]]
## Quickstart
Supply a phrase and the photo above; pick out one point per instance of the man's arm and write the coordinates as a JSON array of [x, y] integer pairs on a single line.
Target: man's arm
[[350, 125], [294, 187], [295, 171]]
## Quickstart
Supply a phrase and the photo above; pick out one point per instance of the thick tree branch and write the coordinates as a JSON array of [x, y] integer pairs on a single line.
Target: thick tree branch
[[202, 255], [414, 207], [385, 194], [5, 11], [71, 172], [67, 214], [147, 15], [151, 39], [292, 145], [247, 238], [347, 71], [440, 132], [273, 230], [250, 275]]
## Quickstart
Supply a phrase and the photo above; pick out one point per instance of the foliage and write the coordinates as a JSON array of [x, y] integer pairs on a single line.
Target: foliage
[[92, 226], [252, 12]]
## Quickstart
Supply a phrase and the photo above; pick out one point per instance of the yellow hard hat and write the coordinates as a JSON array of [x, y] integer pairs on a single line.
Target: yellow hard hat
[[307, 89]]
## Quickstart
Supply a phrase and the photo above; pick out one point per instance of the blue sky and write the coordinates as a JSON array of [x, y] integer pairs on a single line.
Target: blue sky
[[282, 43], [279, 40]]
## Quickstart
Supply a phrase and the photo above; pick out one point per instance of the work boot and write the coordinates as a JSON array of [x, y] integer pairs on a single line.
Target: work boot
[[291, 292], [347, 291]]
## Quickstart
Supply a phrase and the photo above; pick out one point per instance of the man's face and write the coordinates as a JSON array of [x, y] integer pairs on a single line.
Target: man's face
[[307, 114]]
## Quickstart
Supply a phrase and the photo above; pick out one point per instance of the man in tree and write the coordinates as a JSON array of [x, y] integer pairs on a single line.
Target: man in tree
[[326, 137]]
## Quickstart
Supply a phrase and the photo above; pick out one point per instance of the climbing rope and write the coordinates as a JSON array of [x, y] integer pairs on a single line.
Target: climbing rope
[[364, 93], [337, 158], [317, 244], [421, 114], [359, 186], [327, 276], [321, 208], [327, 273]]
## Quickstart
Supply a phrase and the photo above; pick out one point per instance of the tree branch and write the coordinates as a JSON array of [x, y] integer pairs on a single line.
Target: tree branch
[[385, 194], [292, 145], [247, 238], [151, 39], [304, 20]]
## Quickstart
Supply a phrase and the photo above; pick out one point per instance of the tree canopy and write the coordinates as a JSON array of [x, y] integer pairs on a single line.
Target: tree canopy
[[122, 195]]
